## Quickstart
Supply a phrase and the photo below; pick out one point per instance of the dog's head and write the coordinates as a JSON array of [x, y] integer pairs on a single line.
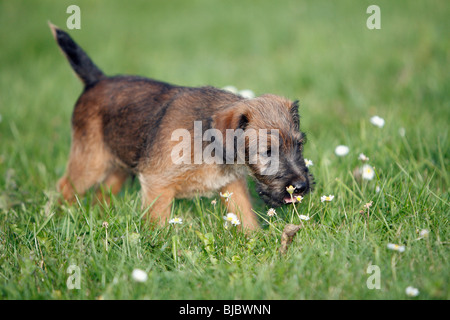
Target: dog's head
[[264, 133]]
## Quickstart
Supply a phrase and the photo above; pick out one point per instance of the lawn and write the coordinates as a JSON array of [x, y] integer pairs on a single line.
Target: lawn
[[319, 52]]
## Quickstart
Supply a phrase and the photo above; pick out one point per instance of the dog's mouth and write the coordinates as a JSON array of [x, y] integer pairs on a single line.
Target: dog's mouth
[[278, 198], [292, 198], [289, 199]]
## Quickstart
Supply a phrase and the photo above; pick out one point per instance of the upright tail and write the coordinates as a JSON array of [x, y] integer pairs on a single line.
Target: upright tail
[[83, 66]]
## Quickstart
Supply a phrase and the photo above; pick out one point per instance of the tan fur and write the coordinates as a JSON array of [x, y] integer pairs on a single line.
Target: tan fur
[[123, 126]]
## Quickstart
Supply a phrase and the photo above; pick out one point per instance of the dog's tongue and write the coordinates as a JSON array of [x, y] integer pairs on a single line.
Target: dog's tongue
[[289, 200]]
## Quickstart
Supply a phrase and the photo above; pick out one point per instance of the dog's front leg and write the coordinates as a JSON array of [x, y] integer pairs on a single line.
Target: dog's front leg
[[158, 202], [239, 203]]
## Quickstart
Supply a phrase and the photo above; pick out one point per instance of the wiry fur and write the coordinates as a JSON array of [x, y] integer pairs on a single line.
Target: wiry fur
[[122, 125]]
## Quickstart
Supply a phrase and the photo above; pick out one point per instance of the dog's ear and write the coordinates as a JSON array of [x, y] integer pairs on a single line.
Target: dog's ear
[[294, 113], [234, 116]]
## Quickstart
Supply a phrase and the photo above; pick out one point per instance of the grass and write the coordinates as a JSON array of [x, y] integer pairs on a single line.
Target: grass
[[319, 52]]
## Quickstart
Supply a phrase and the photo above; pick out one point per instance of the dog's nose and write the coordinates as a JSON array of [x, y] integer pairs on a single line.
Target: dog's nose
[[300, 186]]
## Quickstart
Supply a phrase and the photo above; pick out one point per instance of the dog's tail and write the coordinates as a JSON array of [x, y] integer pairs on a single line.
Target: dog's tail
[[83, 66]]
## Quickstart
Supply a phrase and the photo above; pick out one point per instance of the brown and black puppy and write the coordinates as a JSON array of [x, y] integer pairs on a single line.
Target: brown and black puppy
[[126, 125]]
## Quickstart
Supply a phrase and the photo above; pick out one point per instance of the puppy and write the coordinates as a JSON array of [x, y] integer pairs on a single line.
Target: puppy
[[180, 141]]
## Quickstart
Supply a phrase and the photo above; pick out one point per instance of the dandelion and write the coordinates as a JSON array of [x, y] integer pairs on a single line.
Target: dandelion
[[327, 198], [176, 221], [412, 292], [226, 195], [377, 121], [303, 217], [231, 89], [247, 94], [271, 212], [363, 157], [139, 275], [341, 150], [290, 189], [367, 172], [396, 247], [308, 163]]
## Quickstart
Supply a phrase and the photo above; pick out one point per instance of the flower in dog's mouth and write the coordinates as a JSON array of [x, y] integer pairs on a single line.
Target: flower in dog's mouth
[[290, 198], [293, 199], [290, 189]]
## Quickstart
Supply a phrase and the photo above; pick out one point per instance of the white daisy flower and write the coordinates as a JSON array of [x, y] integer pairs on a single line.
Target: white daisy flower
[[423, 234], [231, 89], [235, 222], [412, 292], [271, 212], [231, 218], [176, 221], [396, 247], [327, 198], [139, 275], [303, 217], [247, 94], [377, 121], [341, 150], [299, 199], [226, 195], [363, 157], [367, 172], [308, 163]]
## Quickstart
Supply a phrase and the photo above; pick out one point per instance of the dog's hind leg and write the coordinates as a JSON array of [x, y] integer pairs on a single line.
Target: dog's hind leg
[[111, 185], [89, 164]]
